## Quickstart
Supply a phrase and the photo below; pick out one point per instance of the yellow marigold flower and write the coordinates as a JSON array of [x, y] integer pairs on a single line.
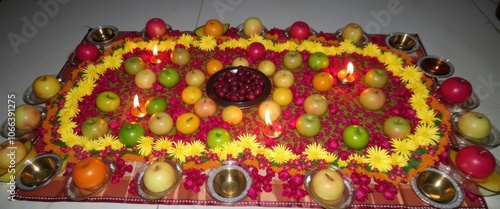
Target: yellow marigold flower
[[219, 152], [348, 47], [232, 43], [195, 148], [315, 151], [185, 40], [119, 52], [108, 140], [418, 102], [399, 160], [378, 158], [163, 143], [290, 45], [427, 116], [332, 51], [178, 151], [144, 45], [280, 154], [411, 74], [342, 163], [166, 45], [256, 38], [152, 43], [232, 149], [279, 47], [112, 62], [91, 72], [395, 66], [248, 141], [207, 43], [418, 88], [371, 50], [330, 157], [71, 139], [426, 134], [260, 150], [403, 147], [85, 87], [356, 157], [129, 46], [268, 44], [145, 145], [67, 126]]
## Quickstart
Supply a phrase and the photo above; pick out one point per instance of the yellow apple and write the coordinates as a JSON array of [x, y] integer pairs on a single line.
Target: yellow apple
[[273, 107], [327, 184], [232, 114], [159, 177], [11, 153], [144, 79]]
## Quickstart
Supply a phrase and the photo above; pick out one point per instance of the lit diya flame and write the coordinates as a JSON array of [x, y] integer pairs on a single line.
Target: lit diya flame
[[138, 110], [270, 129], [347, 76], [156, 58]]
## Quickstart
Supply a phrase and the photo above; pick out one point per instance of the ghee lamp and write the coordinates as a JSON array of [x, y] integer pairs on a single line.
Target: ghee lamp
[[138, 110], [347, 76], [156, 58], [270, 129]]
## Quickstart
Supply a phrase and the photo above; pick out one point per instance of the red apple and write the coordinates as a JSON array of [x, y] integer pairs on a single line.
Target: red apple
[[455, 90], [27, 117], [372, 99], [256, 50], [86, 51], [396, 127], [46, 86], [299, 30], [353, 32], [156, 28], [205, 107], [476, 161], [316, 104]]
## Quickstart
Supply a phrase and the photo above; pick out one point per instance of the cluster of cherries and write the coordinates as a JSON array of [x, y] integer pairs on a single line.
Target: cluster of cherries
[[240, 86]]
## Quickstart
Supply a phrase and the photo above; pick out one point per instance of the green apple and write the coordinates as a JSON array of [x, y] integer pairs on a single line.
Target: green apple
[[27, 117], [180, 56], [376, 77], [133, 65], [396, 127], [355, 137], [217, 137], [156, 104], [328, 184], [318, 61], [130, 133], [372, 99], [159, 176], [308, 125], [292, 60], [161, 123], [168, 77], [316, 104], [474, 125], [353, 32], [94, 127], [107, 101], [46, 86]]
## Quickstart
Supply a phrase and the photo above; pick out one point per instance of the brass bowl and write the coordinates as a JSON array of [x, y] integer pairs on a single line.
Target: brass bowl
[[38, 172], [229, 183], [143, 192], [102, 35], [402, 42], [435, 67], [343, 201], [437, 188]]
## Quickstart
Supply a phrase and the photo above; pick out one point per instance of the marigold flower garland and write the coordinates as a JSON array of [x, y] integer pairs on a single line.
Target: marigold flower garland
[[392, 161]]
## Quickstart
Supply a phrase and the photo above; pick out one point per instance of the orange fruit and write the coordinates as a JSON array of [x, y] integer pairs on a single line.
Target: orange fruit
[[213, 66], [323, 81], [90, 173], [213, 28]]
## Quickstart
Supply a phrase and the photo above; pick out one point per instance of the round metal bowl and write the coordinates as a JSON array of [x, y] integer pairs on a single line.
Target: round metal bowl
[[141, 189], [437, 189], [30, 98], [490, 142], [435, 66], [5, 128], [38, 172], [229, 183], [77, 194], [103, 35], [402, 42]]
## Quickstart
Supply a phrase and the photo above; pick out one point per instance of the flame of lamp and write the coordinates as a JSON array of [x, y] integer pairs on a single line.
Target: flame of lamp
[[138, 110], [347, 76]]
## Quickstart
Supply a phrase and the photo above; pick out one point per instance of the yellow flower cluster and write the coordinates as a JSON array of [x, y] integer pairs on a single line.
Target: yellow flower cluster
[[427, 133]]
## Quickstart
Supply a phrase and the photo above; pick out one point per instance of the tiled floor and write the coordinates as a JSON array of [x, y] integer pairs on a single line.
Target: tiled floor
[[37, 37]]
